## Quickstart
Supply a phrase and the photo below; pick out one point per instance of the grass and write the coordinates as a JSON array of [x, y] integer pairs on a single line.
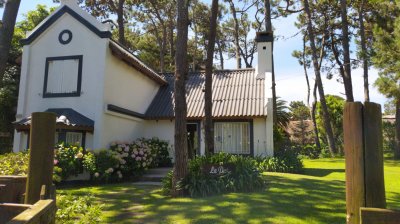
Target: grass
[[317, 196]]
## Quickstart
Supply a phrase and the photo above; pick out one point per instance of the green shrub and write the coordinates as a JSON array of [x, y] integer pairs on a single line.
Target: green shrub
[[285, 161], [242, 176], [167, 183], [161, 150], [310, 151], [106, 165], [14, 163], [70, 160], [77, 209]]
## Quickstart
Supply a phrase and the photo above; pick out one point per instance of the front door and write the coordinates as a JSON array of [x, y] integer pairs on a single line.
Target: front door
[[193, 134]]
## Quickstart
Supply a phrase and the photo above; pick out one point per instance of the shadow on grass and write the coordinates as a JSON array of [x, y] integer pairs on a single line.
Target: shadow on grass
[[285, 200], [317, 172]]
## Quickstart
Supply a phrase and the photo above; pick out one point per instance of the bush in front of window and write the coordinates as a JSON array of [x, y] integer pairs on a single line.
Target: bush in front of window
[[70, 160], [217, 174], [285, 161]]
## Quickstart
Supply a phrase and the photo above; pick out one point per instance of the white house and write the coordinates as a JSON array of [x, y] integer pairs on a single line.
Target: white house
[[102, 93]]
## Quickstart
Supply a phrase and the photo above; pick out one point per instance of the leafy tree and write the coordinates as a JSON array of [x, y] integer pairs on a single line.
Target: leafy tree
[[105, 8], [335, 105], [10, 80], [282, 113], [299, 111], [6, 33], [386, 58], [389, 108]]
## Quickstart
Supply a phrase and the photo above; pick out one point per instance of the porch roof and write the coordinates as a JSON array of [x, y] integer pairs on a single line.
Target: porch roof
[[67, 118]]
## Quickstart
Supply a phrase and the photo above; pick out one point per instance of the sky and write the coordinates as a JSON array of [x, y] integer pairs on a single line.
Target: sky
[[290, 79]]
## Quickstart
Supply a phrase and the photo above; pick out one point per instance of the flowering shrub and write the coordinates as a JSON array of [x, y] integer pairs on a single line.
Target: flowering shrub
[[161, 149], [106, 162], [70, 160]]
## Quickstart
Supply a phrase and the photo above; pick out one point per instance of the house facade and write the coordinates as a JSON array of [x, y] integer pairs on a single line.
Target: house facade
[[102, 93]]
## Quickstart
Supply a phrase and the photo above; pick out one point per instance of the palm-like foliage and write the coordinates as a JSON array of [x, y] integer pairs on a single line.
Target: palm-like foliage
[[282, 113]]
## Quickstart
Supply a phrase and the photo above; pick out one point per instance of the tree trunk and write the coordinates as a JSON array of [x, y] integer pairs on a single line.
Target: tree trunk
[[120, 21], [171, 39], [163, 48], [208, 124], [314, 120], [348, 86], [364, 50], [236, 35], [6, 33], [181, 71], [267, 10], [397, 149], [221, 54], [305, 72], [268, 28], [318, 80]]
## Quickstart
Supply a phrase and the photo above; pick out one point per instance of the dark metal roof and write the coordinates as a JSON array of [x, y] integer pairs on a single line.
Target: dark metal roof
[[125, 55], [67, 118], [236, 94]]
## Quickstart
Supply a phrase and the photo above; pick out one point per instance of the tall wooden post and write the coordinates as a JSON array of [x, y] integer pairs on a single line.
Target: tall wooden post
[[354, 155], [374, 174], [362, 127], [41, 161]]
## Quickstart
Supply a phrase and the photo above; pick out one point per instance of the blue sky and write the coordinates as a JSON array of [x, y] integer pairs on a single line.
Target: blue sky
[[290, 80]]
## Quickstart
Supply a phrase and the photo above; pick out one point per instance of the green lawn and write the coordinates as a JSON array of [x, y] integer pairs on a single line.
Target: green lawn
[[318, 196]]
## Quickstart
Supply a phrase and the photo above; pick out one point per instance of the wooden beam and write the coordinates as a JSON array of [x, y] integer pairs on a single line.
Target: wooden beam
[[42, 212], [373, 149], [41, 161], [379, 216], [354, 155]]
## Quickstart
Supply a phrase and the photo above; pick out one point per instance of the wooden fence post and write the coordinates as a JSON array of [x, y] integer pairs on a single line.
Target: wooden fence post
[[365, 187], [41, 161], [354, 155], [374, 174]]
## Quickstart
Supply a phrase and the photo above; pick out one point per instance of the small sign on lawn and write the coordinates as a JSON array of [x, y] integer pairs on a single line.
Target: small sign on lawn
[[217, 169]]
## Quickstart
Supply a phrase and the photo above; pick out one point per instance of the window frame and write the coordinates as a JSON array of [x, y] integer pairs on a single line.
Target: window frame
[[62, 134], [79, 82], [251, 134]]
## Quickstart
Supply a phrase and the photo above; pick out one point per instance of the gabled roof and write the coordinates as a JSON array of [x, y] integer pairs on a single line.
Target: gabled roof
[[102, 33], [236, 94], [125, 55], [67, 118]]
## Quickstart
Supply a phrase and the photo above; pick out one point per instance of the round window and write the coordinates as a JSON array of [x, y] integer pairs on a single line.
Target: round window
[[65, 37]]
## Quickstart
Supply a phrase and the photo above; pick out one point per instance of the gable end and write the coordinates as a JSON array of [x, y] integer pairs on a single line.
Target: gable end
[[56, 16]]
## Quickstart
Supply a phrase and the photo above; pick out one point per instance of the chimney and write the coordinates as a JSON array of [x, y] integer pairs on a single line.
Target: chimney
[[264, 49], [69, 2], [264, 42]]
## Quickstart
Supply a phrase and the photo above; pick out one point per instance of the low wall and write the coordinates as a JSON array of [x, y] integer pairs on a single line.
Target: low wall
[[12, 189]]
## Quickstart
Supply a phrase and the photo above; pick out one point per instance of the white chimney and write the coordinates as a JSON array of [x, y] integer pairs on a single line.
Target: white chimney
[[69, 2], [264, 49], [264, 71]]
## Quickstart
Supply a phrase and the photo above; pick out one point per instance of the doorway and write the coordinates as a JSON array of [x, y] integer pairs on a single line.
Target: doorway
[[193, 135]]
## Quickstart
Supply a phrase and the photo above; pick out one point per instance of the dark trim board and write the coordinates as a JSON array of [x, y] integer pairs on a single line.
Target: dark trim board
[[55, 17], [46, 75], [124, 111], [250, 121]]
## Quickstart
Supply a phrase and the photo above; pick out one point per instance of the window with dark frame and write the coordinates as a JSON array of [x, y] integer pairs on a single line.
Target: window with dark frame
[[233, 137], [63, 76]]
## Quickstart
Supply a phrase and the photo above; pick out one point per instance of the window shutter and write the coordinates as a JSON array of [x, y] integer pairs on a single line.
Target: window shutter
[[74, 138]]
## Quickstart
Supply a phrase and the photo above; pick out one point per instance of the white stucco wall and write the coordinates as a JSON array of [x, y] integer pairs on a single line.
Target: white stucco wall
[[127, 88], [163, 129], [261, 141], [84, 42]]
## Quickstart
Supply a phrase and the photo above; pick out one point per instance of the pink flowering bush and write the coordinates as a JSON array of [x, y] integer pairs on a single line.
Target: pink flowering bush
[[134, 158]]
